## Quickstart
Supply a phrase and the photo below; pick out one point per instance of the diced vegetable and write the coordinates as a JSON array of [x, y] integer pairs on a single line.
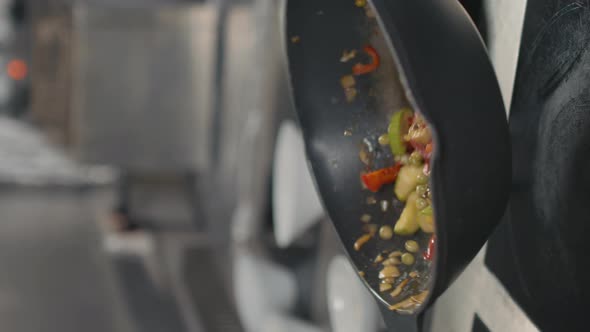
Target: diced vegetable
[[407, 179], [383, 139], [427, 211], [347, 81], [375, 180], [426, 222], [407, 223], [421, 189], [419, 132], [421, 203], [423, 179], [347, 55], [416, 158], [390, 271], [383, 287], [348, 84], [419, 137], [398, 128], [360, 69]]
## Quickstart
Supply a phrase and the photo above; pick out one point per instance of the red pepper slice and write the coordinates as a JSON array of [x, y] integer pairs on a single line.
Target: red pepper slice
[[360, 68], [374, 180], [429, 253]]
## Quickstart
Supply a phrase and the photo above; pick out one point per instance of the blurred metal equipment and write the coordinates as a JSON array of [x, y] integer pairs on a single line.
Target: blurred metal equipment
[[51, 65], [140, 81], [134, 104], [131, 86]]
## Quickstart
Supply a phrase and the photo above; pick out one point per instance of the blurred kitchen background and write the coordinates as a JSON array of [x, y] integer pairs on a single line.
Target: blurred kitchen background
[[140, 141]]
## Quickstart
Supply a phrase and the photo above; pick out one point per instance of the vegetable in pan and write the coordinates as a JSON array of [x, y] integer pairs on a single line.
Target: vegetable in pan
[[410, 134], [405, 271], [400, 221], [361, 69]]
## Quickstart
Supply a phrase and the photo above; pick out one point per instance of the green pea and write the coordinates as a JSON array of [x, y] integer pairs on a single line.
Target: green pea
[[412, 246], [421, 203], [422, 179], [421, 189], [408, 259], [386, 232]]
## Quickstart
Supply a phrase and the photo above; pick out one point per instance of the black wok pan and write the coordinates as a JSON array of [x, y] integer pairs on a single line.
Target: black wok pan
[[446, 74]]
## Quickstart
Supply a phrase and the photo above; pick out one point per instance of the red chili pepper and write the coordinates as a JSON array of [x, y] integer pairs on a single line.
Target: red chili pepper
[[374, 180], [429, 253], [360, 68]]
